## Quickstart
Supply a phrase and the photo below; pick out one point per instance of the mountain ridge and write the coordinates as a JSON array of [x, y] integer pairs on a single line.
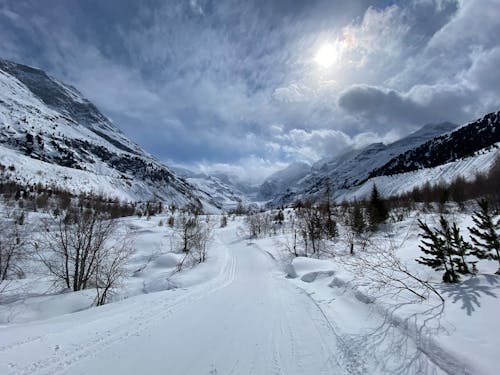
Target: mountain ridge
[[461, 143], [44, 120], [354, 166]]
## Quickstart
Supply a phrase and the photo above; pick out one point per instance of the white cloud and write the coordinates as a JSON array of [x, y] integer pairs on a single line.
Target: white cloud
[[484, 73], [196, 82], [251, 170], [476, 22]]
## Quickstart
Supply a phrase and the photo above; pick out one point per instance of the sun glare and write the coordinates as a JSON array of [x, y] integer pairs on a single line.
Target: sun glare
[[326, 55]]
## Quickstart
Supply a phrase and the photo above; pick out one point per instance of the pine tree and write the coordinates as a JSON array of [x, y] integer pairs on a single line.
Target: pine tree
[[484, 234], [329, 224], [432, 245], [462, 249], [377, 211], [330, 228], [279, 217], [223, 221], [357, 221], [446, 248]]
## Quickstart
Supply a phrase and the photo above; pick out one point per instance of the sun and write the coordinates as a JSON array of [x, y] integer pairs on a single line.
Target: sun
[[326, 55]]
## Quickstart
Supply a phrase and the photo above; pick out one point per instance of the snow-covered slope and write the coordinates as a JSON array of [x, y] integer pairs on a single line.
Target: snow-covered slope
[[471, 149], [226, 195], [401, 183], [355, 166], [461, 143], [278, 183], [51, 134], [237, 183]]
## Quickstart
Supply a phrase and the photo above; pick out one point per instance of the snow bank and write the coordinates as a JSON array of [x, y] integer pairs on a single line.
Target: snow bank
[[152, 268], [459, 337]]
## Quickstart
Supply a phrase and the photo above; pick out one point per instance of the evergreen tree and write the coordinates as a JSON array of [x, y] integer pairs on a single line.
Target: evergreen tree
[[330, 227], [447, 250], [484, 234], [377, 211], [357, 221], [329, 224], [223, 221], [462, 249], [432, 245], [279, 217]]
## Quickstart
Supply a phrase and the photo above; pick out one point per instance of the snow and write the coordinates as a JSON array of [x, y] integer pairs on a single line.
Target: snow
[[280, 181], [394, 335], [71, 119], [30, 170], [225, 195], [404, 182], [239, 313], [249, 308], [346, 170], [234, 314]]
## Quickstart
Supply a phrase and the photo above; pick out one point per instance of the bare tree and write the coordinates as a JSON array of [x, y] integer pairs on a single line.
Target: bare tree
[[387, 272], [223, 221], [77, 248], [315, 227], [291, 247], [192, 238], [110, 268], [12, 246], [258, 224], [201, 240]]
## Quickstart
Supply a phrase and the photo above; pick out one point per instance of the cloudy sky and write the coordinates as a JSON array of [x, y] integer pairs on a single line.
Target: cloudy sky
[[249, 86]]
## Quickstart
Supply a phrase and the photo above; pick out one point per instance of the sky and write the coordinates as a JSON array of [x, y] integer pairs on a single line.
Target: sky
[[247, 87]]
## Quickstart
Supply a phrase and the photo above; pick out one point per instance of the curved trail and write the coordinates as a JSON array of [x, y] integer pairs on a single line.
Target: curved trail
[[247, 320]]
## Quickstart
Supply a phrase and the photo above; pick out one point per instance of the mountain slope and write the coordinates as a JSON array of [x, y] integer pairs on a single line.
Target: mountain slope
[[353, 167], [51, 134], [225, 194], [461, 143], [437, 153], [279, 182], [395, 184]]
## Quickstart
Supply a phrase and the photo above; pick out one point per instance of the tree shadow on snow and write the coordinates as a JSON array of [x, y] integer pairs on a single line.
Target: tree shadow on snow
[[399, 345], [469, 292], [404, 343]]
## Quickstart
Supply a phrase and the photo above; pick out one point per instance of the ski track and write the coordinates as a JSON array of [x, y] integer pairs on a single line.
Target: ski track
[[247, 320], [141, 320]]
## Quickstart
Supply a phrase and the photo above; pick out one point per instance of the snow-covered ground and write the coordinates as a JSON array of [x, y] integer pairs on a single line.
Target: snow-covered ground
[[395, 331], [233, 314], [239, 313], [401, 183]]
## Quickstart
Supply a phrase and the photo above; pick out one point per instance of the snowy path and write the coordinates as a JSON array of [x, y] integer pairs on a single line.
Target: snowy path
[[248, 320]]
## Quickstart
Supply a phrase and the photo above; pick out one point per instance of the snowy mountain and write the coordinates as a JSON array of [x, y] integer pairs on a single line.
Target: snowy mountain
[[462, 143], [278, 183], [354, 166], [390, 185], [237, 183], [226, 194], [52, 135]]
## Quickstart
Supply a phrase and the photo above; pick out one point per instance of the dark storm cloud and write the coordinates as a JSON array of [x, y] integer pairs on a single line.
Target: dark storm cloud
[[233, 83], [423, 104]]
